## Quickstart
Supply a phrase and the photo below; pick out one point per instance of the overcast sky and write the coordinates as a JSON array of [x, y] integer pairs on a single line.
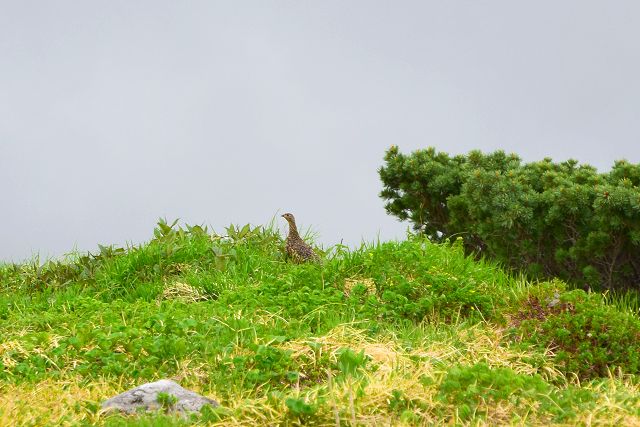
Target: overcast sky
[[115, 113]]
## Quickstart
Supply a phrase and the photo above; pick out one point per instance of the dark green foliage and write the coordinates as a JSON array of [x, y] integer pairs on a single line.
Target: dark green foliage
[[549, 219], [589, 337]]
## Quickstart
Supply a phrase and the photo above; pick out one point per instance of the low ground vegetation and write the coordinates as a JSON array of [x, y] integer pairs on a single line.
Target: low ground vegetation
[[401, 333]]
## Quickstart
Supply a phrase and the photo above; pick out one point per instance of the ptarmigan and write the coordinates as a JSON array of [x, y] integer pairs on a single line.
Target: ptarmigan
[[297, 249]]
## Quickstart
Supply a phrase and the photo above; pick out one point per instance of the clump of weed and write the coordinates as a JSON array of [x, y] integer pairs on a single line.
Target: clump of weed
[[264, 366], [473, 390], [166, 401], [406, 407]]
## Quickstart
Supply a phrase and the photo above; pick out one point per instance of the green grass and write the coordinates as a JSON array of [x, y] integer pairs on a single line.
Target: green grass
[[401, 333]]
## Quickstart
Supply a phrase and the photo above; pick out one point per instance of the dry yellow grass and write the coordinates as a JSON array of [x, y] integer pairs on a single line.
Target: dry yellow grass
[[18, 350], [183, 292], [396, 369], [68, 401], [52, 402]]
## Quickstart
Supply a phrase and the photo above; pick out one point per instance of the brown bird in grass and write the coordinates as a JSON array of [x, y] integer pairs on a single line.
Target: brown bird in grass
[[297, 249]]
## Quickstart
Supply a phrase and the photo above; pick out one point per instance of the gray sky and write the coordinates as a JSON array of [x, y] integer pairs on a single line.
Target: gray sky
[[115, 113]]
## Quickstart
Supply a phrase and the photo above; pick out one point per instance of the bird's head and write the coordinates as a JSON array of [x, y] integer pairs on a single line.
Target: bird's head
[[289, 217]]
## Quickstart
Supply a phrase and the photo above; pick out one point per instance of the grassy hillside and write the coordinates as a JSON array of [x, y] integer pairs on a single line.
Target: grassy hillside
[[400, 333]]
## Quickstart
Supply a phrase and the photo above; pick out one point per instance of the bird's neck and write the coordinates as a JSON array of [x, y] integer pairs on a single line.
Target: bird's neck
[[293, 230]]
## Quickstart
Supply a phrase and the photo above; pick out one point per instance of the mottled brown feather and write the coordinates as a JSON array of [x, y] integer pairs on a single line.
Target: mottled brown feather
[[296, 248]]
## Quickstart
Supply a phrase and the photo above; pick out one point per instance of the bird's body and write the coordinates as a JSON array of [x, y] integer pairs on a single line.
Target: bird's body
[[296, 248]]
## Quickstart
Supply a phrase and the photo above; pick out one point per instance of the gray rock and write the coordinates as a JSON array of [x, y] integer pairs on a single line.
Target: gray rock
[[555, 300], [146, 397]]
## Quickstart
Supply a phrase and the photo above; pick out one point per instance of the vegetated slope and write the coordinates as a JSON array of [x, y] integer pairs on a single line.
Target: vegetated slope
[[401, 333]]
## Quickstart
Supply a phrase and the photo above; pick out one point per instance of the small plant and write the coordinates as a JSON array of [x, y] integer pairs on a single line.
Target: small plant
[[402, 405], [167, 401], [217, 414], [237, 234], [299, 409], [351, 364]]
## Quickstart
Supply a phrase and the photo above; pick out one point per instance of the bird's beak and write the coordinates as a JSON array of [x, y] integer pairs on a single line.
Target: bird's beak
[[282, 216]]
